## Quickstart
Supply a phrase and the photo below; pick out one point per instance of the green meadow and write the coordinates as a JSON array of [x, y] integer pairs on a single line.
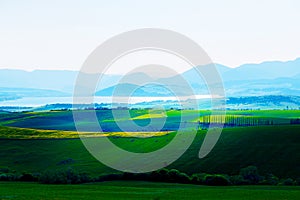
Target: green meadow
[[143, 190], [36, 142], [63, 120], [271, 148]]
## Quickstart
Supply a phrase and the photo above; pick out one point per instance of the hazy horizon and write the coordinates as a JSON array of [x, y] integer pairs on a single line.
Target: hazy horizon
[[74, 70], [59, 35]]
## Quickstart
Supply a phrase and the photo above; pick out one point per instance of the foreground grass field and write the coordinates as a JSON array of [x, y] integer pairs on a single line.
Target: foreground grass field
[[143, 190]]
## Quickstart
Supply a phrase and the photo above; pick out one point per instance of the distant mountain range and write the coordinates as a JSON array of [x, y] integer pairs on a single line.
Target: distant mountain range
[[267, 78], [265, 70]]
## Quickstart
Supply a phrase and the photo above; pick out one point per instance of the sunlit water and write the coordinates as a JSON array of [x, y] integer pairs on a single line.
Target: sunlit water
[[41, 101]]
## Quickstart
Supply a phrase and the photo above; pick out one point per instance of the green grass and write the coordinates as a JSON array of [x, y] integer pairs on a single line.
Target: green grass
[[273, 149], [143, 190], [63, 120], [42, 144]]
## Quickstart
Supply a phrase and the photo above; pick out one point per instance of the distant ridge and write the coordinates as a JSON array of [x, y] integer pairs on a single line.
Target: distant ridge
[[266, 78]]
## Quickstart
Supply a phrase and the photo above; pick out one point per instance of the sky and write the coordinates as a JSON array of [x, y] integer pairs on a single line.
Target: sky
[[61, 34]]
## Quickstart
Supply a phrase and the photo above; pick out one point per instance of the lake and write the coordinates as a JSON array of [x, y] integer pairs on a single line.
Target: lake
[[40, 101]]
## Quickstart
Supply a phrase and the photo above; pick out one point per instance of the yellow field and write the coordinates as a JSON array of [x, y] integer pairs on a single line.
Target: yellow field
[[28, 133]]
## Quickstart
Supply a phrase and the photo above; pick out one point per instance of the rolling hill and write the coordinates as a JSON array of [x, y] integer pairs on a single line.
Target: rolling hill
[[270, 148], [267, 78]]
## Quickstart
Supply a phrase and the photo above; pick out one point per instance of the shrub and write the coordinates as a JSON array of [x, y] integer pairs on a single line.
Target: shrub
[[175, 176], [184, 178], [250, 174], [198, 178], [128, 176], [8, 177], [238, 180], [162, 175], [288, 181], [28, 177], [68, 176], [3, 177], [216, 180], [270, 179], [159, 175], [51, 177], [85, 178], [142, 176], [109, 177], [138, 176], [298, 181]]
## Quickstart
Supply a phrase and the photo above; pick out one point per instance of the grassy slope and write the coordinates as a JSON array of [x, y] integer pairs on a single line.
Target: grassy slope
[[271, 148], [143, 190]]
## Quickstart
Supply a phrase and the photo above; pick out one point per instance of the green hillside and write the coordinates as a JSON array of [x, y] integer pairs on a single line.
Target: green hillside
[[273, 149], [63, 120]]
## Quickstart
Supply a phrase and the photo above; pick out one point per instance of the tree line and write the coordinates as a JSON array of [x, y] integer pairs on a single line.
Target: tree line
[[246, 176], [241, 120]]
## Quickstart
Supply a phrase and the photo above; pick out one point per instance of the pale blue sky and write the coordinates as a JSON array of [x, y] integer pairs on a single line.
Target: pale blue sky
[[61, 34]]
